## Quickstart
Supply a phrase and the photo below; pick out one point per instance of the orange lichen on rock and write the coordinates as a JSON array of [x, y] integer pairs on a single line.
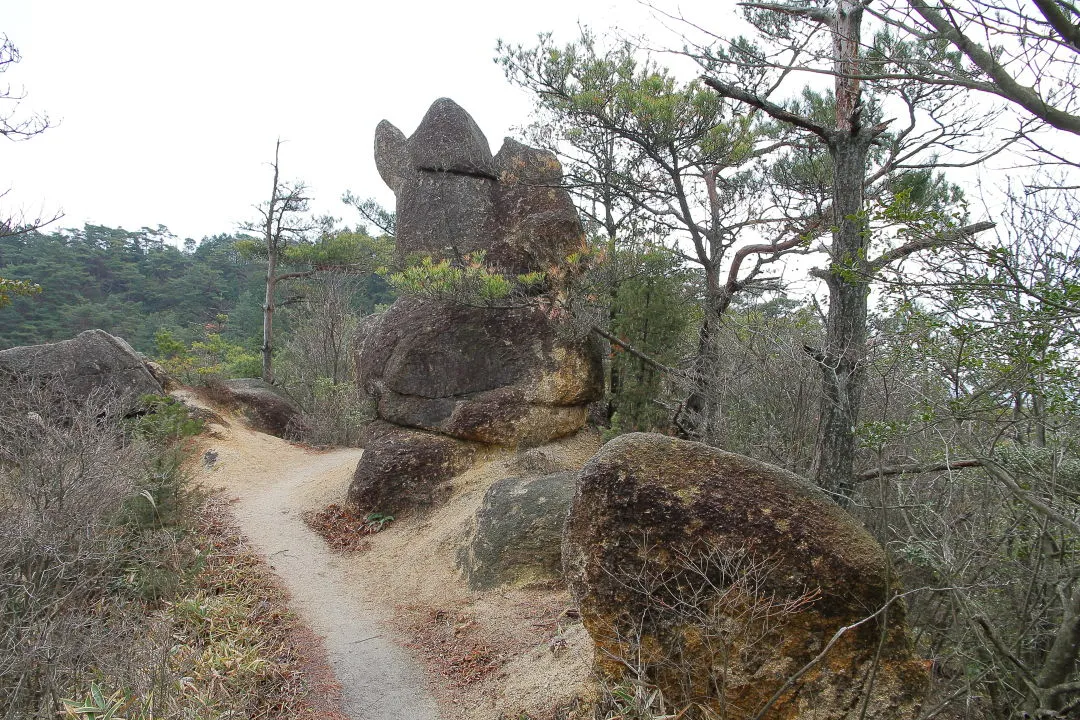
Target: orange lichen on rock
[[723, 580]]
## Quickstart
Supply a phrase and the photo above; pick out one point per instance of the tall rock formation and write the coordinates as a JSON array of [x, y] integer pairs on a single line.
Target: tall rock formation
[[483, 376]]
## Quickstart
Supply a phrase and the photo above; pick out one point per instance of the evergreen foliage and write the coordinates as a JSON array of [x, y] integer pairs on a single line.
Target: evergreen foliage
[[129, 283]]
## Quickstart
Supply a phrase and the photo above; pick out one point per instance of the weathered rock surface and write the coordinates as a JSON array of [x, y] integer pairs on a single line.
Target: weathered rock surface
[[92, 362], [516, 535], [538, 223], [568, 453], [499, 376], [454, 198], [508, 377], [448, 140], [445, 215], [403, 469], [735, 574], [267, 408], [391, 155]]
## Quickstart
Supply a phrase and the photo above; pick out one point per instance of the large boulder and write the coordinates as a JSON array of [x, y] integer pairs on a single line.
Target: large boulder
[[266, 407], [539, 227], [495, 375], [443, 176], [403, 470], [720, 578], [92, 362], [516, 534]]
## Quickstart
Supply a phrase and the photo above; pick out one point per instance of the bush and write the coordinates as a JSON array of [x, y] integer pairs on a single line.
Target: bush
[[316, 368], [210, 358], [84, 546]]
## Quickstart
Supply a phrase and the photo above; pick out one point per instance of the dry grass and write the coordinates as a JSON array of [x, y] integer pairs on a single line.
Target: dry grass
[[451, 645], [128, 593], [239, 650], [229, 644]]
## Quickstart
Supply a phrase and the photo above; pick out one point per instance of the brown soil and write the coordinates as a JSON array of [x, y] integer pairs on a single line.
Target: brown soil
[[341, 528], [504, 653], [508, 653]]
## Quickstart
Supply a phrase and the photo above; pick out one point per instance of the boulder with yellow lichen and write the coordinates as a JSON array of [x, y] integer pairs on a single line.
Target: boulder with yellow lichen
[[502, 376], [723, 580]]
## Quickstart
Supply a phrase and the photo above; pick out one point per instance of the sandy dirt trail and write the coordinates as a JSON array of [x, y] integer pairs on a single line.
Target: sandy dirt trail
[[273, 484]]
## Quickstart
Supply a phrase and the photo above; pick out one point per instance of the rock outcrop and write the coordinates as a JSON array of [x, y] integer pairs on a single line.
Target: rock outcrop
[[492, 375], [404, 470], [92, 362], [538, 225], [454, 198], [266, 407], [489, 376], [516, 535], [709, 570]]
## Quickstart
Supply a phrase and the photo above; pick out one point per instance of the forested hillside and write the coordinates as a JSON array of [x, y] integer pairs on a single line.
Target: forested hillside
[[130, 283], [135, 283]]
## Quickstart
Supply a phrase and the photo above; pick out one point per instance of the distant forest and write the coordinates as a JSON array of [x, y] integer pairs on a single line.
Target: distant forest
[[133, 283]]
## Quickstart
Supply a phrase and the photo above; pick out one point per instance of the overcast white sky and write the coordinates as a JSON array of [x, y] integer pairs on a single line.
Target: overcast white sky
[[167, 112]]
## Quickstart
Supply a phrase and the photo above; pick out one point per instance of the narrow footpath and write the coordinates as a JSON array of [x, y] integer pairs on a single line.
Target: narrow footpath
[[273, 484]]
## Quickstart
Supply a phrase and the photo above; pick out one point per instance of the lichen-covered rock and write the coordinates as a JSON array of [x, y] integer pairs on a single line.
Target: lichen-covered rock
[[92, 362], [539, 226], [454, 198], [403, 470], [444, 177], [495, 375], [516, 534], [721, 577], [391, 155], [267, 408], [448, 140], [445, 215]]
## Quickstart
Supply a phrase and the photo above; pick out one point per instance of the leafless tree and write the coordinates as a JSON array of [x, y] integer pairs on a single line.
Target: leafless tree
[[17, 126], [316, 366], [282, 223]]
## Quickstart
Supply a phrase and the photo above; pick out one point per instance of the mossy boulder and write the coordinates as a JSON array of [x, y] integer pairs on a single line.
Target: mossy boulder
[[516, 535], [720, 577]]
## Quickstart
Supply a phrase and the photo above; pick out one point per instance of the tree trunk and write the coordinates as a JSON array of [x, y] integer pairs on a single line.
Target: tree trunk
[[1060, 661], [843, 378], [695, 419], [268, 320], [848, 276]]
